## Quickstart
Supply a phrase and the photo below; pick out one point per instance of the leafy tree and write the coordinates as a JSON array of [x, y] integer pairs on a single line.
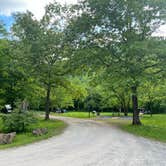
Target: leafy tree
[[117, 35], [2, 29], [47, 54], [151, 93]]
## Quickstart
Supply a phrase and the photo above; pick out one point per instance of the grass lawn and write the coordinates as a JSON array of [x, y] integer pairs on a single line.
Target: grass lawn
[[73, 114], [153, 127], [54, 127], [79, 114]]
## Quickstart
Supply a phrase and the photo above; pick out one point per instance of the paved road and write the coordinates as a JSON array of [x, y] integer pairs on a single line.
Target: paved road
[[88, 143]]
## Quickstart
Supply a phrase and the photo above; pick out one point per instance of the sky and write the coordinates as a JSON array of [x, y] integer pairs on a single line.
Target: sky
[[7, 7], [35, 6]]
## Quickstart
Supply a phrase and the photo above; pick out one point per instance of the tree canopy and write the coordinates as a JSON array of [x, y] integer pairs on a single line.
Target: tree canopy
[[93, 55]]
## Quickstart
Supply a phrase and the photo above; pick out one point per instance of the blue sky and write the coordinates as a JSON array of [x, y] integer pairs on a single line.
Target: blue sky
[[7, 7], [7, 20]]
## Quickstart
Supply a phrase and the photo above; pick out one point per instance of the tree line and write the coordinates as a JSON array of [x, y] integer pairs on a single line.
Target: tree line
[[92, 55]]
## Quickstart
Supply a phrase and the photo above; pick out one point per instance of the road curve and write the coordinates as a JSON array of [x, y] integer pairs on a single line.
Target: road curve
[[88, 143]]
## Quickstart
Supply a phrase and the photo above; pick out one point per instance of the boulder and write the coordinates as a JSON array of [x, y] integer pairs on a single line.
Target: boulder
[[7, 138], [39, 132]]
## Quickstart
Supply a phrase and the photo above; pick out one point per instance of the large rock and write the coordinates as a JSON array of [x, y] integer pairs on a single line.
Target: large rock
[[39, 132], [7, 138]]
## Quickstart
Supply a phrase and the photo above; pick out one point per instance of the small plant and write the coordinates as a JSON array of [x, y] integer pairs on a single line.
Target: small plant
[[18, 121]]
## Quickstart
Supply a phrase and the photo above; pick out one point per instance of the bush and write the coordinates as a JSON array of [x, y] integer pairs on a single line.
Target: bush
[[18, 121]]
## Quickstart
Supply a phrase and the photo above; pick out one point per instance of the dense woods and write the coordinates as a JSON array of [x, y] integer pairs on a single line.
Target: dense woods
[[95, 55]]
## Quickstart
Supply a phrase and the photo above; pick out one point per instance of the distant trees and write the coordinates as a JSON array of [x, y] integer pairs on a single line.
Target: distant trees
[[152, 95]]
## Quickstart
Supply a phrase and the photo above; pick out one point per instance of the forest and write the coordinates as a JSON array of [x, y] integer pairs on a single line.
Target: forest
[[94, 55]]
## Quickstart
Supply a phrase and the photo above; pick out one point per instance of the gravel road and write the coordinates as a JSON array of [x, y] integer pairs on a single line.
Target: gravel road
[[88, 143]]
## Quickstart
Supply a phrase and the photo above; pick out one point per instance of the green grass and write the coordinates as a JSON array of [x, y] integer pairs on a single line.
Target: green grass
[[79, 114], [74, 114], [54, 127], [153, 127]]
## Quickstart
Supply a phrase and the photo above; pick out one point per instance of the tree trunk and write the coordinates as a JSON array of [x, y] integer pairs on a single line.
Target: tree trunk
[[150, 104], [125, 111], [47, 104], [136, 120]]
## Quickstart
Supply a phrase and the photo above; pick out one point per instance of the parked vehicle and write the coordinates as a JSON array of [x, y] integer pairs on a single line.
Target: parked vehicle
[[7, 109], [61, 110]]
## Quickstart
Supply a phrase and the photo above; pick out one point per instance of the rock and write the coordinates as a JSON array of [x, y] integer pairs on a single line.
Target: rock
[[7, 138], [39, 132]]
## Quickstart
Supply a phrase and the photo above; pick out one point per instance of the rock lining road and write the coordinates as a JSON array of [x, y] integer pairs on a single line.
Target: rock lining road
[[88, 143]]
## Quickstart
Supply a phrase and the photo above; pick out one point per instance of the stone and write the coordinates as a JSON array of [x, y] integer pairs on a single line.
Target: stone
[[7, 138], [40, 131]]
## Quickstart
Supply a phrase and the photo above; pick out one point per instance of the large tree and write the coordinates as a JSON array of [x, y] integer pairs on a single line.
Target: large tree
[[117, 35], [46, 52]]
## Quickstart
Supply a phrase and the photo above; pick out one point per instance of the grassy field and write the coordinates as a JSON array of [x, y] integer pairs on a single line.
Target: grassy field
[[153, 127], [76, 114], [54, 127]]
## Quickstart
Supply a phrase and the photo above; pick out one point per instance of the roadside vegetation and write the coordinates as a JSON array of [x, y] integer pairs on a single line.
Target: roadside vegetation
[[153, 127], [54, 128], [86, 114]]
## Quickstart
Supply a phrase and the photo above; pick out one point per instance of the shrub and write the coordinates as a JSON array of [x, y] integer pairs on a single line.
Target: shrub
[[18, 121]]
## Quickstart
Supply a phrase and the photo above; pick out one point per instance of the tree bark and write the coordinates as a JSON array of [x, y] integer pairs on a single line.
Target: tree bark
[[124, 108], [150, 106], [125, 111], [47, 104], [136, 120]]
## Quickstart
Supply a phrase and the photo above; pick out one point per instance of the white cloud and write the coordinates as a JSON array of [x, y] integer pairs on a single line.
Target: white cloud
[[7, 7], [161, 31]]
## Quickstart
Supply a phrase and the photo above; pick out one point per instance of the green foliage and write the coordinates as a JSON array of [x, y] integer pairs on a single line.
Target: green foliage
[[118, 37], [153, 127], [54, 128], [2, 29], [47, 53], [91, 54], [18, 121], [153, 95]]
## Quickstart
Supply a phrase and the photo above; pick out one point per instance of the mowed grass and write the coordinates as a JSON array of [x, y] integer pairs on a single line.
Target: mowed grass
[[54, 127], [79, 114], [152, 127], [74, 114]]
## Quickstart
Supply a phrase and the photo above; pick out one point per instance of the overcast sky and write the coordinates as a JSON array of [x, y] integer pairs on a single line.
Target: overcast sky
[[35, 6], [7, 7]]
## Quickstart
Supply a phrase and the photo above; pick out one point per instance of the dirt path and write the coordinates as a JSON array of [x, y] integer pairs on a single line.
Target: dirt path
[[88, 143]]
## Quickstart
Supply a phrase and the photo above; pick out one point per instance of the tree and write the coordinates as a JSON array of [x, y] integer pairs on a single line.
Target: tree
[[151, 93], [2, 29], [117, 35], [47, 54]]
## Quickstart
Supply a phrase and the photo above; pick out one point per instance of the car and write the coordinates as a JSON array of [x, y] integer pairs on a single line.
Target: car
[[61, 110], [7, 109]]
